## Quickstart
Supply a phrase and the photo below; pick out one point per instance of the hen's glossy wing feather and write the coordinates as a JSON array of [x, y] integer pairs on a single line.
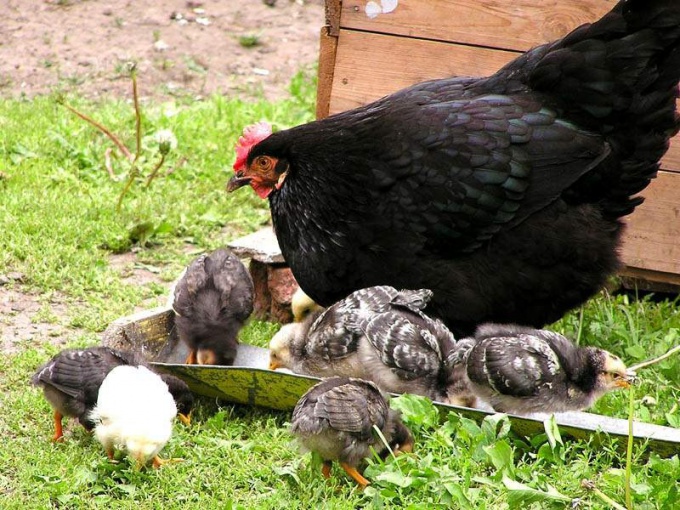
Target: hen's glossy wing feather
[[458, 171]]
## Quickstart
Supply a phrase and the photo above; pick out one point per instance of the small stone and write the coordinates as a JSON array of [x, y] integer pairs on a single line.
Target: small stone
[[16, 276], [648, 401], [160, 45]]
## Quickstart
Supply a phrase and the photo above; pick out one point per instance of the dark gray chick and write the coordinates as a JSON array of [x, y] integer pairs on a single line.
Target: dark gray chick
[[213, 299], [71, 380], [522, 370], [407, 352], [335, 418]]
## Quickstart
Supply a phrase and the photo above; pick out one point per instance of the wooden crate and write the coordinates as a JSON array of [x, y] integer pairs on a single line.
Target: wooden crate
[[363, 58]]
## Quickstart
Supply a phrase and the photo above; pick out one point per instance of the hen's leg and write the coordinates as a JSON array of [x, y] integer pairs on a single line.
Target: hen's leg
[[191, 358]]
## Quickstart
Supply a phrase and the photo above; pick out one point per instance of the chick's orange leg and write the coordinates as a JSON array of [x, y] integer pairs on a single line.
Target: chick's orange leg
[[158, 462], [191, 358], [58, 431], [352, 471], [326, 469], [109, 452]]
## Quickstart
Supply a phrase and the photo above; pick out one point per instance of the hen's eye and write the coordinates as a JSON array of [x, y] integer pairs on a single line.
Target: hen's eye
[[263, 162]]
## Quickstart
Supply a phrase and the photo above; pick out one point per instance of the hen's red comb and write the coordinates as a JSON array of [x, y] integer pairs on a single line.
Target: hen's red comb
[[251, 135]]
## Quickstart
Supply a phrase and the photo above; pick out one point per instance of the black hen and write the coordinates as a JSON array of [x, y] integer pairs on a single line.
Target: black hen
[[503, 195], [213, 300]]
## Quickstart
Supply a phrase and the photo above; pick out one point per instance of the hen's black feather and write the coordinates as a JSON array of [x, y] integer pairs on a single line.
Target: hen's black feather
[[502, 195]]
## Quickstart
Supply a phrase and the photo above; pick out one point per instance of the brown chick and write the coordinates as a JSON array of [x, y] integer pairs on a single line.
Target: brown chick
[[71, 381], [212, 302], [336, 417], [325, 344]]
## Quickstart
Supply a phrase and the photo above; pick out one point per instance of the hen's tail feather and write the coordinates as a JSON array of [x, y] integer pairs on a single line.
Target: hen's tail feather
[[618, 76]]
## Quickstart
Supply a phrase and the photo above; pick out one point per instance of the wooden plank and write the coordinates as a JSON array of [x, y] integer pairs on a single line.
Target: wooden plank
[[652, 281], [517, 25], [652, 238], [333, 9], [369, 66], [327, 46]]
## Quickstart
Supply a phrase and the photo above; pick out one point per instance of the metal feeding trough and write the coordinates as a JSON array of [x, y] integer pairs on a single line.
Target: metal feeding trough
[[250, 382]]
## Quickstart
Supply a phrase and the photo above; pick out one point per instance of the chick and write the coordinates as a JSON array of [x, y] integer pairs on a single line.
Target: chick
[[325, 343], [302, 305], [522, 370], [71, 379], [70, 382], [212, 301], [322, 346], [134, 412], [407, 352], [335, 418], [182, 395]]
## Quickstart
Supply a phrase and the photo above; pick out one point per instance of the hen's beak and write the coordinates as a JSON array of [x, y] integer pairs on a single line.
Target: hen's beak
[[237, 181], [273, 365]]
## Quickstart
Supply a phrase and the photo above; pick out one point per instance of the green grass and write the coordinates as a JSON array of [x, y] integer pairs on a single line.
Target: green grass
[[59, 228]]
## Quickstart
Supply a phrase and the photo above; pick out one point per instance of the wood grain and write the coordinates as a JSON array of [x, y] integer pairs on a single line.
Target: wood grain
[[652, 238], [369, 66], [517, 25], [328, 44]]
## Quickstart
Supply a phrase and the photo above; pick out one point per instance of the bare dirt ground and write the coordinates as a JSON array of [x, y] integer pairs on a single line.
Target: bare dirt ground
[[182, 48]]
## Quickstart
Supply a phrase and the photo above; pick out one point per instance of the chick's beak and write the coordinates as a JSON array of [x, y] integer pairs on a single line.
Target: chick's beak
[[185, 418], [407, 447], [623, 381], [237, 181], [273, 365]]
